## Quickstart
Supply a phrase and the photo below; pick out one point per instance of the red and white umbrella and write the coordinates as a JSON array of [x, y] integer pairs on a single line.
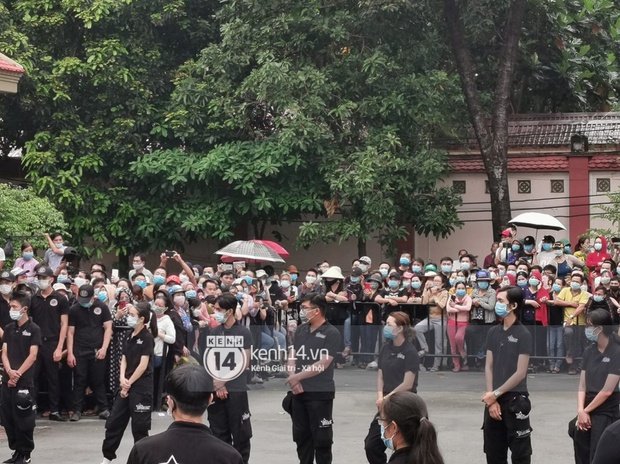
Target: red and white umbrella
[[249, 250]]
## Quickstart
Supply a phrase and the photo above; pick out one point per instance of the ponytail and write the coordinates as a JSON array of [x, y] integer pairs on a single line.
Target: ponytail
[[424, 448], [150, 321]]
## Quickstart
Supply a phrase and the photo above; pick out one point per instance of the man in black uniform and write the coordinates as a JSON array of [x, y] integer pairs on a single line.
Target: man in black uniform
[[229, 415], [187, 440], [20, 346], [506, 417], [88, 338], [311, 377], [7, 284], [50, 311]]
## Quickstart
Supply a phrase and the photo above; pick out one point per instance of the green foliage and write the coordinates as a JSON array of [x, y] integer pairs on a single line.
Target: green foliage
[[26, 216]]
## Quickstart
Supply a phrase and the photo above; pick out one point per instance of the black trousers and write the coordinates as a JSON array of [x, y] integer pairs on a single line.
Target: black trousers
[[585, 441], [45, 363], [313, 429], [89, 371], [137, 407], [511, 433], [229, 420], [18, 424], [373, 444]]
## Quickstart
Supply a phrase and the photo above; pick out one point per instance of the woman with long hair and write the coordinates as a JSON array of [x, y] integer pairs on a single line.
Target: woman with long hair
[[405, 428]]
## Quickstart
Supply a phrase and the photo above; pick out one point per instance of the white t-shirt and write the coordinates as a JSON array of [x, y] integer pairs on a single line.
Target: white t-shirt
[[2, 257], [164, 324]]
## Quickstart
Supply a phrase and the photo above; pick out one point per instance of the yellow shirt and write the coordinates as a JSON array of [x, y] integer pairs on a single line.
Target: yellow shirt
[[581, 298]]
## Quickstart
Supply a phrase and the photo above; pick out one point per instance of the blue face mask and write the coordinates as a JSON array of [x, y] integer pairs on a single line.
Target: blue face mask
[[528, 247], [598, 298], [28, 255], [190, 294], [405, 261], [452, 282], [522, 283], [416, 285], [574, 286], [384, 272], [567, 250], [393, 284], [102, 296], [461, 293], [248, 280], [501, 309], [598, 246], [388, 442], [416, 268], [534, 282], [355, 280], [546, 246], [141, 284], [465, 266], [158, 280], [556, 288], [516, 247], [239, 296], [388, 332], [86, 305], [483, 285], [294, 277], [590, 334], [446, 269], [63, 279]]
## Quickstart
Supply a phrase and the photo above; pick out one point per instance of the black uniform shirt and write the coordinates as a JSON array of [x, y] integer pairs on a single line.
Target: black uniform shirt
[[46, 314], [238, 384], [184, 443], [395, 362], [598, 366], [5, 318], [400, 456], [18, 342], [88, 323], [141, 344], [311, 347], [607, 448], [506, 346]]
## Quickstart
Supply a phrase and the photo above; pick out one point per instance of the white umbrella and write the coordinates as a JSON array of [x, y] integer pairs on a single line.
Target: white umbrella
[[537, 221], [246, 249]]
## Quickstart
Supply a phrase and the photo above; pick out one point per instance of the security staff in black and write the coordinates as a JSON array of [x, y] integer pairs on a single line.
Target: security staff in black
[[229, 415], [136, 382], [7, 283], [507, 412], [20, 347], [311, 377], [50, 311], [187, 440], [88, 338], [399, 364]]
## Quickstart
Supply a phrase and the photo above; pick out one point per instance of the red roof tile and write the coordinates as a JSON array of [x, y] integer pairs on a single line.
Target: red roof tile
[[6, 64], [604, 163], [529, 164]]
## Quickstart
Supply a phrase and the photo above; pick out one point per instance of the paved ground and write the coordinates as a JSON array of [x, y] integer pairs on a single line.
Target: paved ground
[[453, 401]]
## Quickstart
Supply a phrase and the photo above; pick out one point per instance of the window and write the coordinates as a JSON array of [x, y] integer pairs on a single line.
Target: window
[[524, 186], [557, 186], [603, 185], [459, 186]]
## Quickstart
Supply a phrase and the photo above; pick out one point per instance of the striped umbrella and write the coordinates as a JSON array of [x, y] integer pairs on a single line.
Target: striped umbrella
[[251, 251]]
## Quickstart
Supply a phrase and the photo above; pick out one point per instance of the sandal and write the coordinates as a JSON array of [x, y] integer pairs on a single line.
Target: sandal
[[433, 369], [346, 352]]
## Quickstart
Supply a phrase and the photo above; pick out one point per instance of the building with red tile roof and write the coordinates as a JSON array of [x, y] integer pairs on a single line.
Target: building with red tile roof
[[10, 74]]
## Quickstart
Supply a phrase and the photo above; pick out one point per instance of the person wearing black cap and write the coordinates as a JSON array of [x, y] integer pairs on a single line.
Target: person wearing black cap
[[393, 295], [187, 440], [7, 284], [545, 255], [50, 311], [88, 338], [20, 346]]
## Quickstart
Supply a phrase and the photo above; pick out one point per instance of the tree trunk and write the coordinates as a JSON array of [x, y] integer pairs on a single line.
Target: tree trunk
[[493, 140], [361, 247]]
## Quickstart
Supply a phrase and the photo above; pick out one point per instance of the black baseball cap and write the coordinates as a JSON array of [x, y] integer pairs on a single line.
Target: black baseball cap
[[7, 275], [85, 293], [45, 271]]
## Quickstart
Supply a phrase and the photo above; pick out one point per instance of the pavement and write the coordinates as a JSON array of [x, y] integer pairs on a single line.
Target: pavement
[[453, 402]]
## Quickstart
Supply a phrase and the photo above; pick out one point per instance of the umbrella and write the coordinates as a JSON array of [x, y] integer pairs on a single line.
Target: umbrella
[[249, 250], [275, 247], [537, 221]]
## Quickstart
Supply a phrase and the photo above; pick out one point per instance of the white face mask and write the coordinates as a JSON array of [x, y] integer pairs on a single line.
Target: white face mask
[[79, 282], [184, 278], [44, 284], [16, 315], [179, 300], [311, 280], [138, 266], [6, 289]]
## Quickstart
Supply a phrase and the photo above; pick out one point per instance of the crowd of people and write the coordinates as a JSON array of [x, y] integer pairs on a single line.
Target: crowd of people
[[103, 344]]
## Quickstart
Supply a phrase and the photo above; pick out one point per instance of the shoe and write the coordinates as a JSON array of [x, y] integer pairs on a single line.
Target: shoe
[[372, 366], [104, 414], [256, 379], [433, 369], [572, 371], [456, 369], [23, 460], [76, 416], [422, 368], [13, 458], [54, 416]]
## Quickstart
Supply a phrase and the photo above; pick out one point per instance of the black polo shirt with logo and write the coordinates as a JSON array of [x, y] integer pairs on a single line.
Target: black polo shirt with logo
[[597, 367], [395, 361], [311, 347], [238, 384], [141, 344], [46, 312], [506, 346], [5, 317], [18, 341], [88, 323]]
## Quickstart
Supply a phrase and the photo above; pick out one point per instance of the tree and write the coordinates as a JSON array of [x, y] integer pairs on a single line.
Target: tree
[[26, 217], [314, 108]]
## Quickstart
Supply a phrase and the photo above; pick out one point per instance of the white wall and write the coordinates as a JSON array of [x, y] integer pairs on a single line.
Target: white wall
[[597, 198]]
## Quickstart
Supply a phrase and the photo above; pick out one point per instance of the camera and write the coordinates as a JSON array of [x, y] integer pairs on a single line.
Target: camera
[[169, 254]]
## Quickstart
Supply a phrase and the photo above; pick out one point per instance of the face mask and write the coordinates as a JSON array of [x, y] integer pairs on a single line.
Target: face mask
[[465, 266], [522, 283], [197, 312], [141, 284], [483, 285], [605, 280], [393, 284], [102, 296], [190, 294], [404, 261], [516, 247], [511, 272], [6, 289], [598, 298], [63, 279], [406, 283], [221, 318], [79, 282], [590, 334], [460, 279], [534, 282], [28, 255], [388, 332], [355, 280], [584, 288], [618, 270], [546, 246], [239, 296], [446, 269], [388, 442], [452, 282], [294, 277], [461, 293], [138, 266], [363, 267], [416, 268], [324, 269], [558, 252], [58, 244], [86, 305], [502, 272], [374, 285], [598, 246], [574, 286], [310, 280], [501, 309], [158, 309], [416, 285], [492, 275], [183, 278], [44, 284], [567, 250], [15, 315], [179, 300], [303, 315], [556, 288], [285, 283], [528, 247], [384, 272], [132, 321], [158, 280]]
